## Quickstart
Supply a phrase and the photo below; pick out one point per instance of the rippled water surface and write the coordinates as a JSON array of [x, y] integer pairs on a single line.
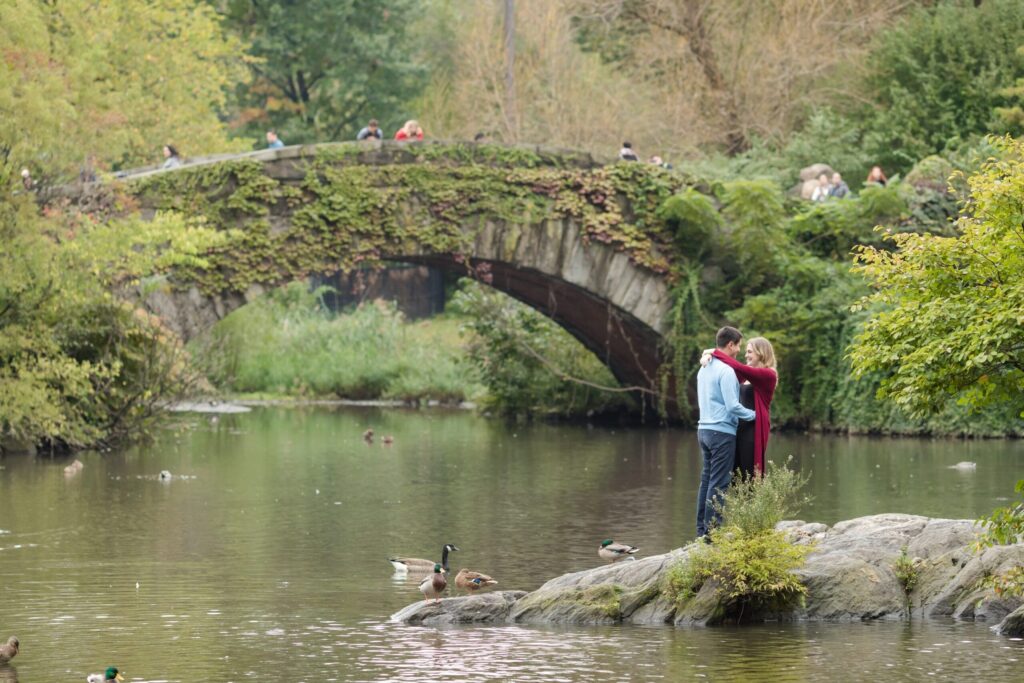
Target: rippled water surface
[[264, 557]]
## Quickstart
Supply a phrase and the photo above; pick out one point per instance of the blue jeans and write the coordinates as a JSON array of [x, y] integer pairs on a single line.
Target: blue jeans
[[718, 451]]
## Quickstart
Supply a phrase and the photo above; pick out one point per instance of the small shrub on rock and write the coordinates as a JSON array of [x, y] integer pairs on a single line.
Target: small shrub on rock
[[749, 563], [1005, 526]]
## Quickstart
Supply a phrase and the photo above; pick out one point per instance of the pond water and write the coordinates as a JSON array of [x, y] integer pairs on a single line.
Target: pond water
[[267, 562]]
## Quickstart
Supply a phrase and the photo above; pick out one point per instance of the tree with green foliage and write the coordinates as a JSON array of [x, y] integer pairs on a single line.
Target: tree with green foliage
[[115, 80], [322, 68], [80, 367], [529, 364], [949, 311], [948, 318], [937, 78]]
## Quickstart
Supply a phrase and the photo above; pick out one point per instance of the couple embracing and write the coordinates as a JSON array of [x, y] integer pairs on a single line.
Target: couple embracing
[[734, 418]]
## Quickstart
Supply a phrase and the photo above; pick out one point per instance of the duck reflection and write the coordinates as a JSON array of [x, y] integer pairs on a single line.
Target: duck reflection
[[8, 674]]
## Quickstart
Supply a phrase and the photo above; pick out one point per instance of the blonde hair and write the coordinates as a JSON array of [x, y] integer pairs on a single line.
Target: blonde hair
[[411, 127], [764, 349]]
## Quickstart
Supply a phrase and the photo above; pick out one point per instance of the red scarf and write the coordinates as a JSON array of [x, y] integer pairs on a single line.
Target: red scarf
[[763, 380]]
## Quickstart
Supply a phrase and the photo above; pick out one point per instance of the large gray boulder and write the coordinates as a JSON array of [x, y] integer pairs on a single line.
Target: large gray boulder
[[604, 595], [473, 609], [850, 575], [1012, 625], [814, 170]]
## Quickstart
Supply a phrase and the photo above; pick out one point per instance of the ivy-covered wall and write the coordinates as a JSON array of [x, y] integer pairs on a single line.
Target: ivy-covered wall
[[344, 212]]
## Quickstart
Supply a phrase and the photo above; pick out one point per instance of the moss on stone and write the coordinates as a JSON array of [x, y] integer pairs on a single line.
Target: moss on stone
[[343, 214]]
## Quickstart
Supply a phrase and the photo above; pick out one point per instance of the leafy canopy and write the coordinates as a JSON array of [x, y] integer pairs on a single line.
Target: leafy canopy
[[115, 79], [950, 310], [322, 68], [79, 367], [938, 78]]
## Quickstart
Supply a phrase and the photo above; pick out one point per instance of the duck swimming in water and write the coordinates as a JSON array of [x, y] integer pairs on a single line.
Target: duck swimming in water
[[111, 674], [9, 649]]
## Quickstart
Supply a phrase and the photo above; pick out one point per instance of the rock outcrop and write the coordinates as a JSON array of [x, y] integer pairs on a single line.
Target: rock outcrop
[[473, 609], [1012, 625], [850, 576]]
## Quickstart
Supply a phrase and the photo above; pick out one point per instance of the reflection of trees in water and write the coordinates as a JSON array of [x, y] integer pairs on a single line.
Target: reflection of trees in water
[[8, 674]]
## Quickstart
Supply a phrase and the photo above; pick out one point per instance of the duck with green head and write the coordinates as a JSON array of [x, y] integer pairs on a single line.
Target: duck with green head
[[111, 674], [433, 585], [613, 552]]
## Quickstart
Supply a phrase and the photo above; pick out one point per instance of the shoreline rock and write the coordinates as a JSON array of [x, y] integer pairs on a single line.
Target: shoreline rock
[[850, 576]]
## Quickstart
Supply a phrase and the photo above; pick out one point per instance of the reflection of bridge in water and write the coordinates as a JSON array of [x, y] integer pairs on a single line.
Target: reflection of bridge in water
[[556, 230]]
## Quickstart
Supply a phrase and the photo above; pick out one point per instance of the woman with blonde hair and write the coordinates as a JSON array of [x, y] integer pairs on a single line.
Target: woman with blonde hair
[[758, 379], [410, 131]]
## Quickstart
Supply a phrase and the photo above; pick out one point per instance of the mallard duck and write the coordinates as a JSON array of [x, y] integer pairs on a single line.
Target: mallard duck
[[403, 565], [388, 440], [9, 649], [368, 436], [432, 586], [111, 674], [74, 468], [473, 581], [613, 552]]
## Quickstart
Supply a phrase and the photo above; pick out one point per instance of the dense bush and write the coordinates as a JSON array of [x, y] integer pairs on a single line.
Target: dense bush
[[79, 367], [938, 77], [286, 342]]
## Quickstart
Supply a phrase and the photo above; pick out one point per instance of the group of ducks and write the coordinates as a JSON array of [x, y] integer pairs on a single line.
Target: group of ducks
[[9, 649], [434, 584], [368, 438]]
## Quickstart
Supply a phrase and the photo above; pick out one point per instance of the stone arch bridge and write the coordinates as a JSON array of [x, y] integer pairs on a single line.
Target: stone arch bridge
[[568, 236]]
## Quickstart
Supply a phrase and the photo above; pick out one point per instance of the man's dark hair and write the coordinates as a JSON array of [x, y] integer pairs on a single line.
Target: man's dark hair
[[373, 122], [726, 335], [627, 145]]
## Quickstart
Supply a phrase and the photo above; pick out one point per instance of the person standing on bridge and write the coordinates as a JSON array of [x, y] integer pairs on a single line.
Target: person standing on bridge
[[718, 394], [372, 130], [171, 157], [274, 142], [410, 131]]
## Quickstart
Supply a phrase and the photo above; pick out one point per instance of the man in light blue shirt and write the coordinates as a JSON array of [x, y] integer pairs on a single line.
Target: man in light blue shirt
[[274, 142], [718, 393]]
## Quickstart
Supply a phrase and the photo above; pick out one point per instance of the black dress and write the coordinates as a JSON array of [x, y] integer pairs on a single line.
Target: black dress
[[745, 435]]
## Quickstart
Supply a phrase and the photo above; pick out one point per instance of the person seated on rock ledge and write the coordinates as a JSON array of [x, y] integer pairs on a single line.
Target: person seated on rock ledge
[[839, 187], [824, 189]]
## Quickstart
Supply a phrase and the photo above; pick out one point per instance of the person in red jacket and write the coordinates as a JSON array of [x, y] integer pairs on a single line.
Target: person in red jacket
[[758, 379], [410, 131]]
